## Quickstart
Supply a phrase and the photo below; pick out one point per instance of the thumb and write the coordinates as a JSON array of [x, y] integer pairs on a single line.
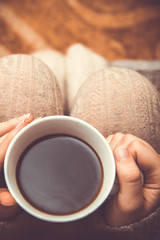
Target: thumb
[[130, 197], [8, 206], [6, 198]]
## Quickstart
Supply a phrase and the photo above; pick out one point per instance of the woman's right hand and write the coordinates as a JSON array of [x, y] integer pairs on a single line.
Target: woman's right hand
[[8, 130], [137, 198]]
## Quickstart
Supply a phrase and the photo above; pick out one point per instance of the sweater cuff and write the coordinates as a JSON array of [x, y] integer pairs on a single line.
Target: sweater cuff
[[146, 228]]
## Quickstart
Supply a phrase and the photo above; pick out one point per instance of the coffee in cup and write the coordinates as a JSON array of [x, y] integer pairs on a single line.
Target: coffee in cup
[[59, 174]]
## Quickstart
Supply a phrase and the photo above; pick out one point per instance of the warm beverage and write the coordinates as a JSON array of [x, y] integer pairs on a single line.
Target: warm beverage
[[59, 174]]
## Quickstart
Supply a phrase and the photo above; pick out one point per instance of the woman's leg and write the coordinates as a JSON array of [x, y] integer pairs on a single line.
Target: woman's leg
[[120, 100], [27, 85]]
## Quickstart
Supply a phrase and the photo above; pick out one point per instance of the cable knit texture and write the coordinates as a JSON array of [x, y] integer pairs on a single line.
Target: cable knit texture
[[120, 100], [27, 85]]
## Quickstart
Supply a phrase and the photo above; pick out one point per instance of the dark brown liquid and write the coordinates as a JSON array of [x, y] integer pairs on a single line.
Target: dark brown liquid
[[59, 174]]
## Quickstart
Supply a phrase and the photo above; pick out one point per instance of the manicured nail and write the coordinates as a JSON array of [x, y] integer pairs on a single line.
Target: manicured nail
[[121, 154], [26, 116], [109, 138]]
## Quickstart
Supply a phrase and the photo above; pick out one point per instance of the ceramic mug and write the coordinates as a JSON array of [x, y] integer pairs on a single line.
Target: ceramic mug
[[67, 126]]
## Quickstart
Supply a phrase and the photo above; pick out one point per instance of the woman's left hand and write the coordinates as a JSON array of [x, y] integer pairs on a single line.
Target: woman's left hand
[[8, 130]]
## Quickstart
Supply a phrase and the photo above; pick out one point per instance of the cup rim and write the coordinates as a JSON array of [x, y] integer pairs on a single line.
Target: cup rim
[[51, 217]]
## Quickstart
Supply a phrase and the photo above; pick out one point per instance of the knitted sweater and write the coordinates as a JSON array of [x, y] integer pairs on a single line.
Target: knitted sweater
[[23, 226]]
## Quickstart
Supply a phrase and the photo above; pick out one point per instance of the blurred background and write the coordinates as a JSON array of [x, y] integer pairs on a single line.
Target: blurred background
[[115, 29]]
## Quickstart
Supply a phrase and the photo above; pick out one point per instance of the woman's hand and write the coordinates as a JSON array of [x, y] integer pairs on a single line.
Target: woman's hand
[[7, 132], [138, 196]]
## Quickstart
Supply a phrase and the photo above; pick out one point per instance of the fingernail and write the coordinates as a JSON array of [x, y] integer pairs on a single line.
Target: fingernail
[[109, 138], [121, 154], [26, 116], [20, 124]]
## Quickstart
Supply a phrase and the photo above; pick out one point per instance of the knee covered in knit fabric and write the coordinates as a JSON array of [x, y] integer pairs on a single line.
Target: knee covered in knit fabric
[[120, 100], [28, 85]]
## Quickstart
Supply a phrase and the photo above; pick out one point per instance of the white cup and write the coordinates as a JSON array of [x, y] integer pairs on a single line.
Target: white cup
[[60, 125]]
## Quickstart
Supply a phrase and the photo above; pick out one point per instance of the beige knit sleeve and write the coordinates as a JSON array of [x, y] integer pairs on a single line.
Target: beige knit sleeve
[[147, 228]]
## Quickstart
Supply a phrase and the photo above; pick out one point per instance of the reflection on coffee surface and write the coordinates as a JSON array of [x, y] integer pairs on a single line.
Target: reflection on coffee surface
[[59, 174]]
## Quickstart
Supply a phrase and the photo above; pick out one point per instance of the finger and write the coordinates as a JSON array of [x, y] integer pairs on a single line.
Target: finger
[[148, 161], [130, 181], [146, 157], [126, 139], [6, 198], [29, 120], [2, 138], [109, 138], [114, 140], [5, 143], [7, 126]]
